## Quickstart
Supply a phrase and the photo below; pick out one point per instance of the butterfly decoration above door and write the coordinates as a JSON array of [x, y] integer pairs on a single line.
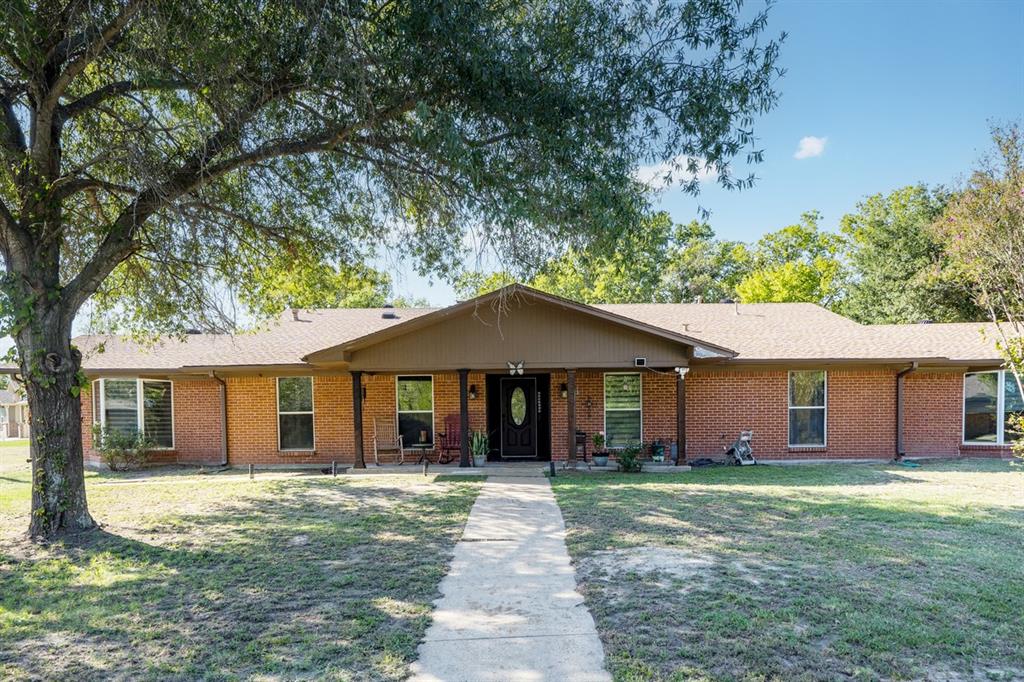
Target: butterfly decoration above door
[[515, 368]]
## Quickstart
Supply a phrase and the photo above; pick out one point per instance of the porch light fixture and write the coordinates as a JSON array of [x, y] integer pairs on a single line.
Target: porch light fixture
[[564, 388], [472, 392]]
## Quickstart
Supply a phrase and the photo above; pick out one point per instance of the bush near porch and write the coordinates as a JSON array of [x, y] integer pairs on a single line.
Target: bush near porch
[[804, 572], [219, 577]]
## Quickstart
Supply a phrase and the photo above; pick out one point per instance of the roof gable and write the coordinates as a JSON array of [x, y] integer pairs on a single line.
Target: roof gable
[[512, 316]]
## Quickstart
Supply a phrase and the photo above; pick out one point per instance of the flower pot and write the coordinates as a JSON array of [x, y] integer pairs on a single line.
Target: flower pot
[[479, 460], [601, 459]]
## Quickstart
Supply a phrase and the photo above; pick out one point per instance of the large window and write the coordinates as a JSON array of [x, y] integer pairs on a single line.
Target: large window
[[295, 413], [136, 406], [623, 410], [991, 400], [415, 400], [808, 398]]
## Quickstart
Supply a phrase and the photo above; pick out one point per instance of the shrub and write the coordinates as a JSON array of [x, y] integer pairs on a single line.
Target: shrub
[[119, 450], [629, 459]]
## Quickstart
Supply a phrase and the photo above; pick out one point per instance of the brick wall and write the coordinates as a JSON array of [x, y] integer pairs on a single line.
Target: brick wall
[[252, 416], [861, 415], [719, 403], [197, 432], [659, 408], [933, 422], [933, 413]]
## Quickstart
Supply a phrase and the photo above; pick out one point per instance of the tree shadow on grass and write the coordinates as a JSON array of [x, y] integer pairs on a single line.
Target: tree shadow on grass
[[799, 587], [299, 581]]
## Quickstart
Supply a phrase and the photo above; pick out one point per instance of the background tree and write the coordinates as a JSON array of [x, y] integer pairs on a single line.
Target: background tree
[[703, 268], [899, 270], [628, 270], [798, 263], [299, 284], [154, 151], [982, 230], [660, 262]]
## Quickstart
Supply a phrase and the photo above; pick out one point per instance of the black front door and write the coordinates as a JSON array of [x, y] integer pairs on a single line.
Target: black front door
[[519, 417]]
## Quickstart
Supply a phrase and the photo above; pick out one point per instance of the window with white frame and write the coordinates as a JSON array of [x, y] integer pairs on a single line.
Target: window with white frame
[[808, 400], [143, 406], [623, 409], [295, 413], [991, 400], [415, 406]]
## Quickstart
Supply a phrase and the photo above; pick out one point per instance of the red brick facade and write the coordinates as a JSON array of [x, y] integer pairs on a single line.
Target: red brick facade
[[861, 415], [197, 424]]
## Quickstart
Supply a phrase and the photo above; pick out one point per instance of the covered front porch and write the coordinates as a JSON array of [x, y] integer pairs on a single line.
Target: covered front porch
[[538, 374]]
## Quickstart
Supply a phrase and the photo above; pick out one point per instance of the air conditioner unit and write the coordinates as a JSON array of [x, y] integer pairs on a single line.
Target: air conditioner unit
[[640, 362]]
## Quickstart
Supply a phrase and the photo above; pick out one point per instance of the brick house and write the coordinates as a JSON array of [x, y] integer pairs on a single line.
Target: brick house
[[531, 368]]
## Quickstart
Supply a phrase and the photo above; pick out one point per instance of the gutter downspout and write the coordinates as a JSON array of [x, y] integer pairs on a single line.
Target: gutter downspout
[[900, 451], [223, 419]]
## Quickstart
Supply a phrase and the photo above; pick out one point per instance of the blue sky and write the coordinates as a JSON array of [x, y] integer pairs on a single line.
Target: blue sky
[[901, 93]]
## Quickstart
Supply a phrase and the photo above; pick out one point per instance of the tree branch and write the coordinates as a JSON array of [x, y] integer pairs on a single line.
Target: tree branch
[[120, 241], [111, 90], [88, 44], [14, 140]]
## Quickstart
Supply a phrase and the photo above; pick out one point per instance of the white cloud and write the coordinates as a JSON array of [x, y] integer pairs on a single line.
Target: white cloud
[[654, 175], [810, 147]]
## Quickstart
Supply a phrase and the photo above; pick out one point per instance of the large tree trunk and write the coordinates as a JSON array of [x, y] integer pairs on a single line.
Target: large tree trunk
[[50, 370]]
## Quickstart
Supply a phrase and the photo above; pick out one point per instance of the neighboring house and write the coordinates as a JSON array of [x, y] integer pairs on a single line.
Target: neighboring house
[[14, 421], [809, 383]]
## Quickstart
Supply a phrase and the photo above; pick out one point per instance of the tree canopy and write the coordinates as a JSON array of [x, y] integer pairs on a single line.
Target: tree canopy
[[797, 263], [154, 152], [900, 271]]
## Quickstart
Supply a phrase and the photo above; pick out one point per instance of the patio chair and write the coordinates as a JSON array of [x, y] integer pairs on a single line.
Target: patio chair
[[450, 439], [387, 439]]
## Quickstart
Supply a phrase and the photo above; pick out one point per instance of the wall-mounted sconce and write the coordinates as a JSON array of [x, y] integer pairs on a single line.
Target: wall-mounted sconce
[[364, 392], [472, 392], [564, 388]]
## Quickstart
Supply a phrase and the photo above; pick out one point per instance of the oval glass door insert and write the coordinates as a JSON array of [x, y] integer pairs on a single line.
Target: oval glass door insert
[[518, 405]]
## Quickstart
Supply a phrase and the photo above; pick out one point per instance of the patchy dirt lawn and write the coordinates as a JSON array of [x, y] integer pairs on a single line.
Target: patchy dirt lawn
[[219, 577], [804, 573]]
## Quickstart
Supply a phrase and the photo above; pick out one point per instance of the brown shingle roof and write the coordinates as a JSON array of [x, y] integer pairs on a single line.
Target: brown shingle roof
[[805, 331], [282, 342], [761, 332]]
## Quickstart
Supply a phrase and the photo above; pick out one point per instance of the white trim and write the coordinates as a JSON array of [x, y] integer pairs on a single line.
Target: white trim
[[311, 412], [433, 417], [1000, 409], [140, 411], [790, 407], [606, 410]]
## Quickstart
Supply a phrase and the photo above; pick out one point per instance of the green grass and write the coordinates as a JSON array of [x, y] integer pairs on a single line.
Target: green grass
[[804, 573], [218, 577], [13, 455]]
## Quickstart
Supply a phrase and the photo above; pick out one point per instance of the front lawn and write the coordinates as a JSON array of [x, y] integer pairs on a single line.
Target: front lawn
[[804, 573], [219, 577]]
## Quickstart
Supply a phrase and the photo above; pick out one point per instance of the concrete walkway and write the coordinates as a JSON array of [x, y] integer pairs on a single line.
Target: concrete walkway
[[509, 609]]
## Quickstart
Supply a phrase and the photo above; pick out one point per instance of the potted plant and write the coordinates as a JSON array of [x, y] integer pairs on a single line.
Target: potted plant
[[629, 459], [479, 445], [600, 454], [657, 451]]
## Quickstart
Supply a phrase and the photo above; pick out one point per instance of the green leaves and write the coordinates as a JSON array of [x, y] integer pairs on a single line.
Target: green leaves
[[902, 272]]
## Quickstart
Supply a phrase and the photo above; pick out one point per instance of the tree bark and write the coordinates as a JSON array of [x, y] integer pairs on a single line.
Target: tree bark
[[50, 370]]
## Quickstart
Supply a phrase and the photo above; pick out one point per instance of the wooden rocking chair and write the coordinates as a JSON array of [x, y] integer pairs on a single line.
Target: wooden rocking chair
[[451, 439], [387, 439]]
